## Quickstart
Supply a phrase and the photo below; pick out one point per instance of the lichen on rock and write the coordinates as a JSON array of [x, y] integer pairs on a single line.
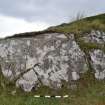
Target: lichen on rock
[[98, 63], [97, 37], [45, 59]]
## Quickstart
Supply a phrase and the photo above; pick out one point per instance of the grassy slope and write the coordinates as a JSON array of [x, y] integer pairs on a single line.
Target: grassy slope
[[89, 91], [82, 25]]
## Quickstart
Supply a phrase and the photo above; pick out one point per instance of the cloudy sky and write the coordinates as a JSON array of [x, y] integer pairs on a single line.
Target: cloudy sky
[[32, 15]]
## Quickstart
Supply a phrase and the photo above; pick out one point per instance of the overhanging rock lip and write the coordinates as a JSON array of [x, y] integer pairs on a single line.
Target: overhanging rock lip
[[32, 34]]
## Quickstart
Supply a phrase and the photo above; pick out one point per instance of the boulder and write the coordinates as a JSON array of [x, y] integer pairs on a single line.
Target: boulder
[[46, 59]]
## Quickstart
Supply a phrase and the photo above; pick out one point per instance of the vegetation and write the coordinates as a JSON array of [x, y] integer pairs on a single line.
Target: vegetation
[[89, 92], [82, 25]]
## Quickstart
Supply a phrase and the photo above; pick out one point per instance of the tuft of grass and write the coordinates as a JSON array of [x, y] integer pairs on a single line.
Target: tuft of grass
[[90, 46]]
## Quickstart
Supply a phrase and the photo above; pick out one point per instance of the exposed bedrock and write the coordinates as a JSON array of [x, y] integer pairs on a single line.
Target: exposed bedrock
[[97, 37], [98, 63], [45, 59], [50, 58]]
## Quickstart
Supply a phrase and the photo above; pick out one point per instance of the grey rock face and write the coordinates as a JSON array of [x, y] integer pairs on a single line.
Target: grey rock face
[[97, 37], [45, 59], [98, 63]]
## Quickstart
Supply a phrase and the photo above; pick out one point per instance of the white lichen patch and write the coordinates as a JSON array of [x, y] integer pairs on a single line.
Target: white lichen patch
[[75, 76], [98, 63]]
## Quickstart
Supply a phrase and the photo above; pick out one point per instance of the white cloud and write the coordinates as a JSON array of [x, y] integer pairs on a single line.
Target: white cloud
[[11, 25]]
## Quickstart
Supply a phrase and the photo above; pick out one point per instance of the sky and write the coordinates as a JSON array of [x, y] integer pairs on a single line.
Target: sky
[[18, 16]]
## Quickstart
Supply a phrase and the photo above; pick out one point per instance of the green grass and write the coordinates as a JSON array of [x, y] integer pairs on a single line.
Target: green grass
[[92, 95], [90, 46], [82, 25], [88, 92]]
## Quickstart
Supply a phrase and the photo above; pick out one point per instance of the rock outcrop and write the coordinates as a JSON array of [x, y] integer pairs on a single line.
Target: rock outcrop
[[48, 59], [97, 37], [98, 63]]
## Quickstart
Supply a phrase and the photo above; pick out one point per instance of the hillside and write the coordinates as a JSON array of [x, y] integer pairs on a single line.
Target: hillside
[[82, 25], [65, 59]]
